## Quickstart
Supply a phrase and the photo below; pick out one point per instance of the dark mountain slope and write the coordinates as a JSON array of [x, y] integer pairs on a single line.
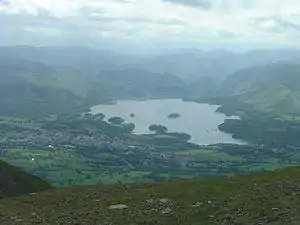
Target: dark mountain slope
[[265, 198], [14, 182]]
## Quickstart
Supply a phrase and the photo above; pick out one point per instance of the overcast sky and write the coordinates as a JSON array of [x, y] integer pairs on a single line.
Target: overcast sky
[[146, 23]]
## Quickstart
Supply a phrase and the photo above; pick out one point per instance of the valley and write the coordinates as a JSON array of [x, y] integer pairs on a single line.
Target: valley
[[45, 131], [85, 149], [145, 142], [152, 112]]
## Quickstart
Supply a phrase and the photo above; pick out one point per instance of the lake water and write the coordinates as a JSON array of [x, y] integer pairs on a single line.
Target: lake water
[[199, 120]]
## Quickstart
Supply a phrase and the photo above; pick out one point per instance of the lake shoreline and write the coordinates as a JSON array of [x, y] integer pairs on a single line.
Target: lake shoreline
[[142, 108]]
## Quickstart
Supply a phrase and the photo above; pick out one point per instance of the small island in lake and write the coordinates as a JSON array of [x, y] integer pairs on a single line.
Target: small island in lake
[[174, 115]]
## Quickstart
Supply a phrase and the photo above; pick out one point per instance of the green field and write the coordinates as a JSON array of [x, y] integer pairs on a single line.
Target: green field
[[196, 152], [207, 155], [62, 168], [67, 167]]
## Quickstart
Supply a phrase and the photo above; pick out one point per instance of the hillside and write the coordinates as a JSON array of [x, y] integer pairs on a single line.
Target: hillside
[[278, 99], [273, 88], [265, 198], [28, 89], [14, 182], [38, 81], [33, 88], [28, 100], [126, 83]]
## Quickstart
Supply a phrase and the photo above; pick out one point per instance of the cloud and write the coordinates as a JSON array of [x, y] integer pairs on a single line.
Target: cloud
[[4, 2], [205, 4], [287, 24], [200, 22], [44, 30], [277, 25]]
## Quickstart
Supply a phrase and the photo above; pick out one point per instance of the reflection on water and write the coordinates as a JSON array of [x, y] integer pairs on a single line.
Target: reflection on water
[[199, 120]]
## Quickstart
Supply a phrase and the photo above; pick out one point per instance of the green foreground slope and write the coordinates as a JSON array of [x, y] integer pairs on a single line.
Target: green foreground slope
[[265, 198], [14, 182]]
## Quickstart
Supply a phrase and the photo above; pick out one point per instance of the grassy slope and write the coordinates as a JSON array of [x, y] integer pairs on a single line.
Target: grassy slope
[[14, 181], [274, 99], [265, 198], [30, 89], [273, 88]]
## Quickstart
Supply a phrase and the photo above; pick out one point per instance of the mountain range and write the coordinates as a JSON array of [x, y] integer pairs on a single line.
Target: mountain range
[[186, 64], [57, 80], [46, 81]]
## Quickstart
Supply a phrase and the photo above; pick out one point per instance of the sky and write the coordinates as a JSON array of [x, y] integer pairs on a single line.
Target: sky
[[151, 23]]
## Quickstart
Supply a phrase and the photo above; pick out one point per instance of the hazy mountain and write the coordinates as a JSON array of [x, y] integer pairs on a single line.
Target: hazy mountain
[[29, 89], [272, 88], [74, 77], [124, 83], [30, 100], [191, 64], [201, 88], [187, 64], [37, 88], [216, 64], [83, 58]]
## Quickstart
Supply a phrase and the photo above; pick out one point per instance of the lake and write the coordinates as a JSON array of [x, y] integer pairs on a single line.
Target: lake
[[199, 120]]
